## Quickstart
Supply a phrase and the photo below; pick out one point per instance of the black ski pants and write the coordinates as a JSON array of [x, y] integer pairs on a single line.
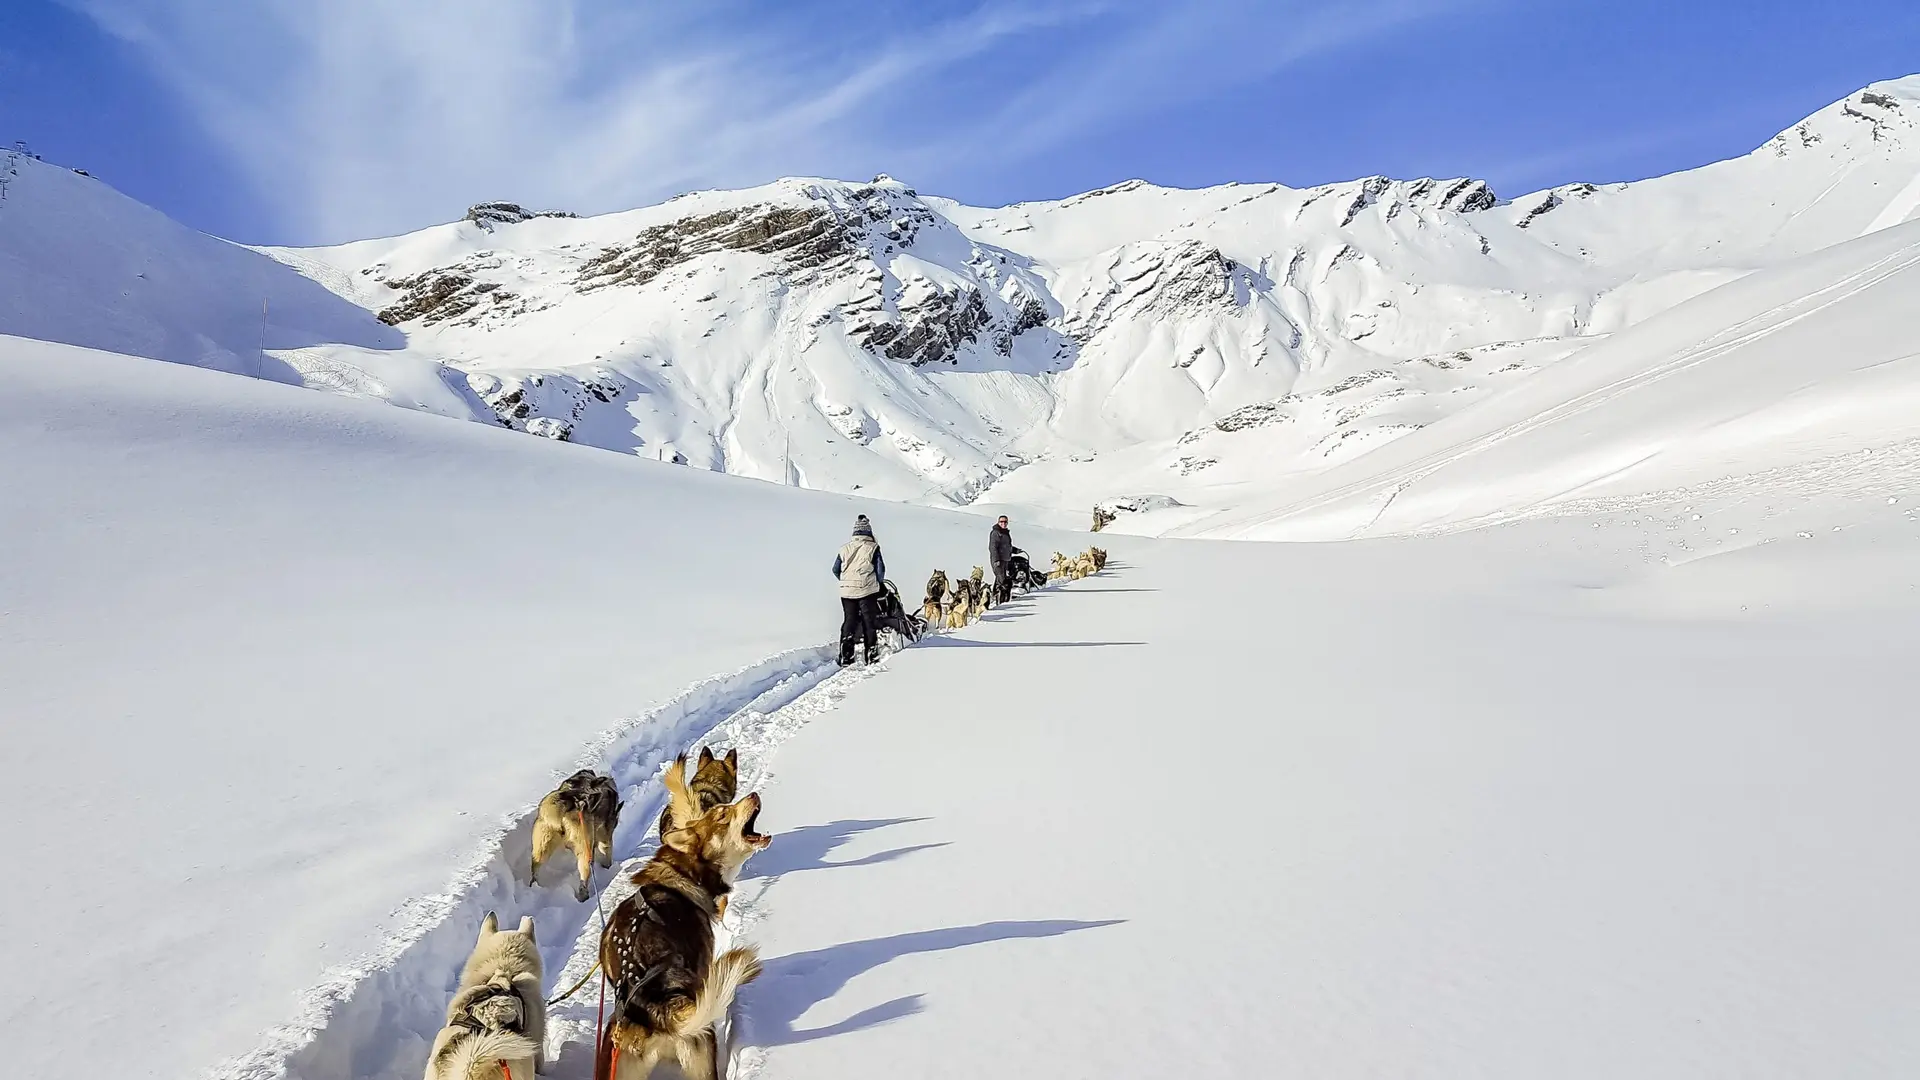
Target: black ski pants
[[1002, 583], [860, 621]]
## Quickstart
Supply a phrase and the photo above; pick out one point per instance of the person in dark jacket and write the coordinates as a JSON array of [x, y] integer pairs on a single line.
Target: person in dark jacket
[[1000, 555], [861, 570]]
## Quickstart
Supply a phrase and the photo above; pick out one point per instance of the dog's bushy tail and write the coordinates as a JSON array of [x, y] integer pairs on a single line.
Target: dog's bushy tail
[[681, 806], [485, 1050], [731, 970]]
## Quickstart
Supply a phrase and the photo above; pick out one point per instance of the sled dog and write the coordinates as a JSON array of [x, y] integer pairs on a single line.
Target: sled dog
[[715, 779], [669, 990], [960, 605], [933, 608], [497, 1020], [579, 815], [1059, 566], [982, 593], [1099, 558]]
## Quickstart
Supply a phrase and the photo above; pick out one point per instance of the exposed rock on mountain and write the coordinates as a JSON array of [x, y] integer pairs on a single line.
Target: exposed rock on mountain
[[862, 335], [489, 214]]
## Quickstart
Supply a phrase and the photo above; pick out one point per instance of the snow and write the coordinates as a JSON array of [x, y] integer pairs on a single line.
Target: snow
[[1423, 808], [1499, 805], [1799, 362], [867, 338], [1583, 793], [281, 666], [1577, 747]]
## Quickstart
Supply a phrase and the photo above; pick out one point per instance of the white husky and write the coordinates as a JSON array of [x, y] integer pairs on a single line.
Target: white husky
[[497, 1020]]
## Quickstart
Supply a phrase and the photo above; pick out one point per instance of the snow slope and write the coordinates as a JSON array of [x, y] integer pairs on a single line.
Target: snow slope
[[1583, 757], [1510, 804], [83, 265], [282, 668], [1615, 791], [1202, 347], [1800, 362]]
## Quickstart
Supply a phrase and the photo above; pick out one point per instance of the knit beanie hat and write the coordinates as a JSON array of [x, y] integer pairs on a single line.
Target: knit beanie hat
[[862, 527]]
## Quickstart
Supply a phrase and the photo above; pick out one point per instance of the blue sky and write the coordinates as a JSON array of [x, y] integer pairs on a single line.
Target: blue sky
[[309, 121]]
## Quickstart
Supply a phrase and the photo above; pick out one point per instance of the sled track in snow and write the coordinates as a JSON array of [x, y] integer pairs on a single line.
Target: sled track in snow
[[376, 1019]]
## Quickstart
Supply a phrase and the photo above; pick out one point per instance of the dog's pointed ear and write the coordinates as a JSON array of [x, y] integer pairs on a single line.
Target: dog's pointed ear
[[681, 839], [489, 926], [706, 757], [526, 926], [733, 758]]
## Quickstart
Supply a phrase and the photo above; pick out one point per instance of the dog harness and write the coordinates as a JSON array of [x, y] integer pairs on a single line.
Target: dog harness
[[466, 1019]]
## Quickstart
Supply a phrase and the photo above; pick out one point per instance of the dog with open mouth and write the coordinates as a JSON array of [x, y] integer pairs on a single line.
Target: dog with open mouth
[[668, 989], [716, 780]]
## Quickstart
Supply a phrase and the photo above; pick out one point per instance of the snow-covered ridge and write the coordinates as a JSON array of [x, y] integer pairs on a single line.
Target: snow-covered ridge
[[864, 337]]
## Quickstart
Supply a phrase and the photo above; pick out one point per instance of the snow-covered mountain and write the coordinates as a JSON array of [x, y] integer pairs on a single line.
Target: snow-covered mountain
[[1616, 784], [1136, 344]]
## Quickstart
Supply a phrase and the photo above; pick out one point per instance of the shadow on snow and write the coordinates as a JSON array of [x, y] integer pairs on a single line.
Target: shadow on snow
[[807, 848], [793, 984]]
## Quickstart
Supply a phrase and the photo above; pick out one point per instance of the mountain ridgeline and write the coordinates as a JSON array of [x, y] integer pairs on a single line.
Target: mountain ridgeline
[[1128, 342]]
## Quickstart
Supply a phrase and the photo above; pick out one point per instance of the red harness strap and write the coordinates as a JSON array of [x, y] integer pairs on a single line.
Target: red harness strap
[[505, 1069], [600, 1029]]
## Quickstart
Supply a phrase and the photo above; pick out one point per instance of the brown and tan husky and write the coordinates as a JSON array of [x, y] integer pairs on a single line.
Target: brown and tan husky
[[580, 815], [715, 781], [933, 608], [668, 988]]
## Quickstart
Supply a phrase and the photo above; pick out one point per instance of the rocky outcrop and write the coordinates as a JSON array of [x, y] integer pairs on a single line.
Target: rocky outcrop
[[1553, 199], [802, 237], [1459, 196], [1258, 414], [1112, 508], [833, 228], [1465, 196], [489, 214], [1874, 109], [435, 295], [548, 404], [1160, 280], [929, 331]]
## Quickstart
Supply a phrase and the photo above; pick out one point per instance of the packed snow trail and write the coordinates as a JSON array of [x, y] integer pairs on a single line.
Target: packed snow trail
[[1461, 806], [383, 1020], [294, 664]]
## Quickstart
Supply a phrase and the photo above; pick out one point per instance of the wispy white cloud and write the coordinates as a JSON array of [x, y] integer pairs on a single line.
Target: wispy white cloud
[[356, 117], [1155, 58]]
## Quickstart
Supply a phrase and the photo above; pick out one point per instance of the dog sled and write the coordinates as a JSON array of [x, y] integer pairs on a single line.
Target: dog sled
[[894, 616], [1020, 572]]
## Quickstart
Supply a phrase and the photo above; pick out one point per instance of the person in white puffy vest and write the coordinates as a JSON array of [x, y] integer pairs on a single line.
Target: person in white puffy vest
[[860, 570]]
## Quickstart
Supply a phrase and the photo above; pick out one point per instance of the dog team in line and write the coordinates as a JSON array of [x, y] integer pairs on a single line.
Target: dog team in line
[[954, 604], [666, 987], [869, 603]]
